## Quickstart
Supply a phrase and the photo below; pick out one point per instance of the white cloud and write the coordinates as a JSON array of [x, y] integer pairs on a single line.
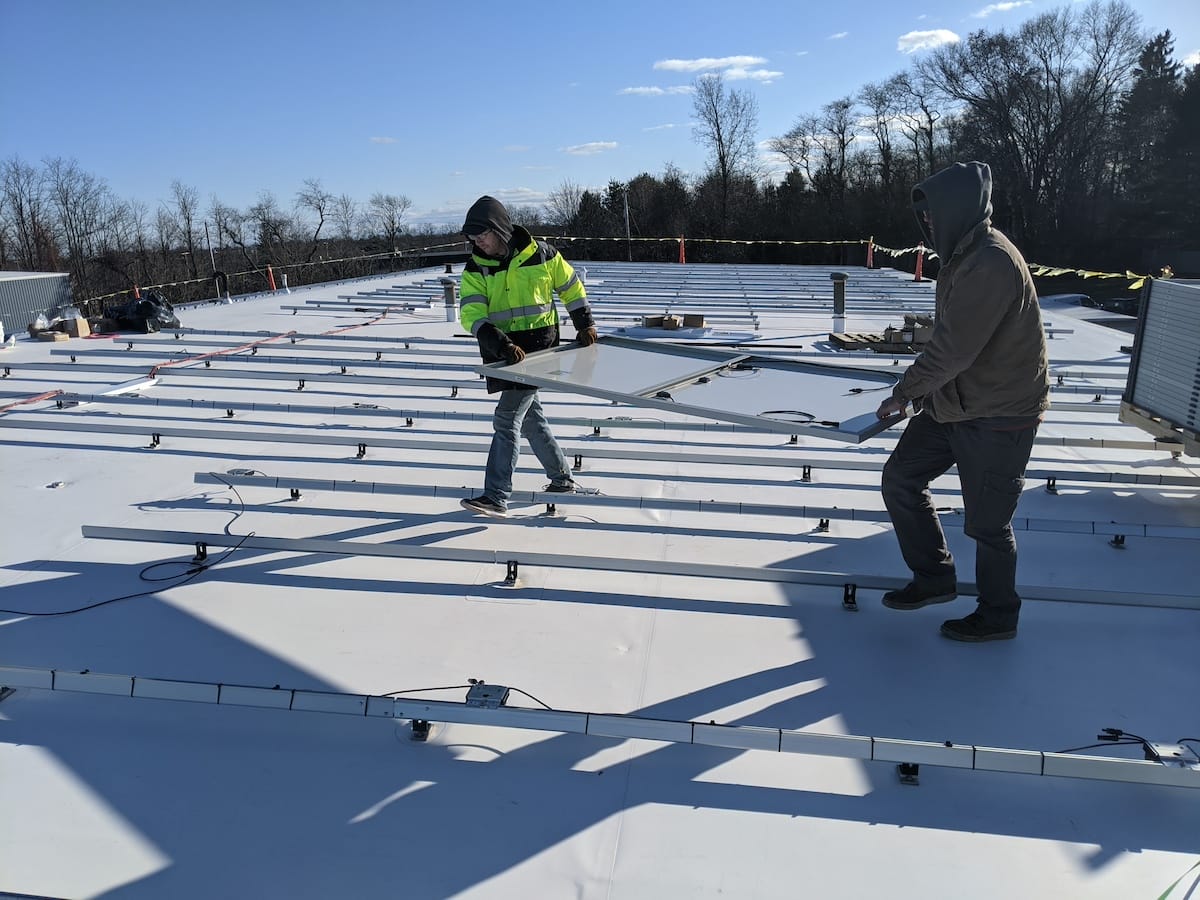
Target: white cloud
[[520, 196], [839, 36], [1000, 7], [661, 127], [737, 73], [1192, 59], [590, 149], [925, 40], [457, 174], [383, 140], [802, 53], [657, 91], [708, 63]]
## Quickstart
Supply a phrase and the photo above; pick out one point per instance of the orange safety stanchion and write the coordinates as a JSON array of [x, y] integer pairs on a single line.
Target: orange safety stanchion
[[871, 252], [682, 255], [920, 261], [271, 278], [137, 295]]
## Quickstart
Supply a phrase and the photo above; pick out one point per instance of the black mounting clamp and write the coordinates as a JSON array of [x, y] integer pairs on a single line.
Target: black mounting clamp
[[420, 730], [300, 386], [155, 440], [408, 422], [1051, 486], [1117, 542], [453, 391], [823, 525], [908, 773], [595, 431], [229, 413], [511, 575], [362, 451], [806, 474], [201, 552], [294, 494], [578, 466]]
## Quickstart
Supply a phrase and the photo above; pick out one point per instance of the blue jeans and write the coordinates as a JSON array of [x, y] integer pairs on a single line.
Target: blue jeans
[[519, 412], [991, 469]]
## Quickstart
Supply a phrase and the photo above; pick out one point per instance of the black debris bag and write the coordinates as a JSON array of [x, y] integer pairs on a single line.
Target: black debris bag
[[152, 312]]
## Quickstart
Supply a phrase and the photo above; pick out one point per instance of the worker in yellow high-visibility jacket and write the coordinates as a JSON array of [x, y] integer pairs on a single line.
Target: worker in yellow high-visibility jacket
[[507, 302]]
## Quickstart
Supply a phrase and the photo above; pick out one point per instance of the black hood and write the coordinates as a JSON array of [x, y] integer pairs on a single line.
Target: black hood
[[958, 199], [488, 212]]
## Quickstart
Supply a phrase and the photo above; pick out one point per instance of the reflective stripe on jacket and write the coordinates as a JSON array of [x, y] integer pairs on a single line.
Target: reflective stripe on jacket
[[518, 294]]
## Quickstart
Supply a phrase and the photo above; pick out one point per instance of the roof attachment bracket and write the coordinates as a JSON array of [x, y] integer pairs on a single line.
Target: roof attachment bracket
[[850, 597], [806, 474], [908, 773], [201, 552], [1051, 486], [362, 451], [1117, 542]]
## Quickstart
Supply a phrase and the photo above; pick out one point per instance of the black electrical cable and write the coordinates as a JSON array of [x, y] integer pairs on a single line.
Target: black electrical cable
[[1103, 744], [449, 687], [531, 697], [188, 575]]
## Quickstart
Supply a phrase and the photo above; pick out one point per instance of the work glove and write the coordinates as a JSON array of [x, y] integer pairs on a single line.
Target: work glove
[[587, 337], [513, 354]]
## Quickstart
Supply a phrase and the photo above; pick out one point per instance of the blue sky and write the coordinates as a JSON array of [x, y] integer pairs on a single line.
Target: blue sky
[[438, 101]]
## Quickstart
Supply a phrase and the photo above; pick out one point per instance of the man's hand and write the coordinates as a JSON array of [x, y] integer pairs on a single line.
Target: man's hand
[[890, 407], [513, 354], [587, 337]]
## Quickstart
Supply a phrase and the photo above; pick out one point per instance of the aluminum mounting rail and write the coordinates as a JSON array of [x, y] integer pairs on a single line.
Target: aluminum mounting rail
[[258, 359], [364, 441], [719, 507], [198, 370], [850, 583], [612, 423], [611, 725]]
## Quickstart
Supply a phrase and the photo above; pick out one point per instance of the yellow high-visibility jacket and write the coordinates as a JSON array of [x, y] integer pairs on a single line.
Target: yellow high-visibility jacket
[[512, 300]]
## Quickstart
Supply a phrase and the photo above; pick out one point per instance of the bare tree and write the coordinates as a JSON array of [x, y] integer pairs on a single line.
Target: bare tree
[[386, 212], [78, 200], [726, 123], [27, 209], [186, 208], [918, 118], [345, 216], [798, 145], [880, 101], [838, 130], [562, 204], [1036, 101], [314, 198]]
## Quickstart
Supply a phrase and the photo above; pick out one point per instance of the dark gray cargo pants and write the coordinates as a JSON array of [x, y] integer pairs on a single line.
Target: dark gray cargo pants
[[991, 465]]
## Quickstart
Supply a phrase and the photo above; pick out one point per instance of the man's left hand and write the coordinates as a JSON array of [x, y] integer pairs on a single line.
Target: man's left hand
[[587, 337], [889, 408]]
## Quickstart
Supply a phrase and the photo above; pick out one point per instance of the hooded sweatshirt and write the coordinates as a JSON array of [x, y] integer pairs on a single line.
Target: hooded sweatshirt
[[986, 357]]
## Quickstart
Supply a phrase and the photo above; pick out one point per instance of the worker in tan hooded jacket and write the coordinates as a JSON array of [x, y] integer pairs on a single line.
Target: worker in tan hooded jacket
[[980, 385]]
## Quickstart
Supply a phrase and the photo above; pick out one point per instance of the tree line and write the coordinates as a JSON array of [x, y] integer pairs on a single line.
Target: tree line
[[1091, 127]]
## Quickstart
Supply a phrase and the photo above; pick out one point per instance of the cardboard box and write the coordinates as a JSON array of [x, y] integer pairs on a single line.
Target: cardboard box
[[53, 336], [78, 327], [693, 320], [652, 321], [671, 322]]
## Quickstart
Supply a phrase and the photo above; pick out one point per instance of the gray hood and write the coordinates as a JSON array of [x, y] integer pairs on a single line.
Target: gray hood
[[958, 199]]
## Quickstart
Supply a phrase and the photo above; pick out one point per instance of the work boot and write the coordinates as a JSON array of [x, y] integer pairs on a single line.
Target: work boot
[[974, 628], [566, 487], [485, 505], [913, 597]]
